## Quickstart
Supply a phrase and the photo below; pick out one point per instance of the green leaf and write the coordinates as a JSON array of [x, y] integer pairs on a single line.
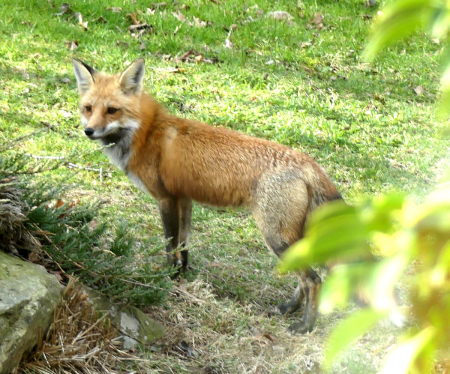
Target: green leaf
[[331, 210], [385, 278], [348, 331], [399, 20], [441, 23], [343, 281], [441, 270], [379, 214], [335, 231], [434, 217], [401, 358]]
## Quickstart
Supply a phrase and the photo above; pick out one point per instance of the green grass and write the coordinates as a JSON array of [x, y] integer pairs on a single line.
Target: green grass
[[295, 84]]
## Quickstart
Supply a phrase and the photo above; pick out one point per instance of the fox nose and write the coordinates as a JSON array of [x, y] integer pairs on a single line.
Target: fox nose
[[89, 131]]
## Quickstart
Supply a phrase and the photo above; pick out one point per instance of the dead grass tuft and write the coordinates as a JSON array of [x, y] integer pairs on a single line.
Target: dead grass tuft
[[80, 340], [14, 237]]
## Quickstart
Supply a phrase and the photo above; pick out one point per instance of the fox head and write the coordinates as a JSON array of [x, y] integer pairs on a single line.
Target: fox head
[[109, 104]]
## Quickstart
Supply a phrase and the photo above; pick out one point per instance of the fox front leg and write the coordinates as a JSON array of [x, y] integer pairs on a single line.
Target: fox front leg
[[185, 214], [169, 211]]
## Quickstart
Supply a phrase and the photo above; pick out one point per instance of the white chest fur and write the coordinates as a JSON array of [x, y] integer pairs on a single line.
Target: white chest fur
[[120, 150]]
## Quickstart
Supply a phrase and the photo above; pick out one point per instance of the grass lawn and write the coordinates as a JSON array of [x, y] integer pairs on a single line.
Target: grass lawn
[[299, 82]]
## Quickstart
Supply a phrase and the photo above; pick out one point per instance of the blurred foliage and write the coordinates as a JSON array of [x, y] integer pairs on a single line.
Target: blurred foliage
[[404, 17], [372, 245]]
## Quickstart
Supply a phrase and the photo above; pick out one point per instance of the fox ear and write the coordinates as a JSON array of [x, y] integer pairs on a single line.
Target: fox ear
[[131, 79], [84, 74]]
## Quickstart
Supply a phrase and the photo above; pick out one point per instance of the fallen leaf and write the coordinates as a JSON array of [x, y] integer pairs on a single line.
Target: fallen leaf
[[33, 257], [306, 44], [63, 9], [65, 113], [317, 20], [419, 90], [364, 66], [184, 348], [280, 15], [213, 60], [179, 16], [93, 225], [142, 46], [133, 18], [24, 73], [121, 43], [176, 69], [159, 5], [114, 9], [65, 80], [176, 30], [143, 26], [57, 274], [371, 3], [101, 20], [71, 46], [258, 336], [228, 44], [186, 55], [79, 18], [198, 59], [199, 23], [59, 203]]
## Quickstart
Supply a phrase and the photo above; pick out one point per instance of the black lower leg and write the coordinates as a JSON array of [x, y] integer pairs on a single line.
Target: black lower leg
[[185, 258], [311, 286], [294, 304]]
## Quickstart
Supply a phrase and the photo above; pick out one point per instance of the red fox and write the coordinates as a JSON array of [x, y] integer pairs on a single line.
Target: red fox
[[179, 160]]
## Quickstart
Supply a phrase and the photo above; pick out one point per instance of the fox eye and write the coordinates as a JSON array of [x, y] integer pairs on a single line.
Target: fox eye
[[112, 110], [88, 108]]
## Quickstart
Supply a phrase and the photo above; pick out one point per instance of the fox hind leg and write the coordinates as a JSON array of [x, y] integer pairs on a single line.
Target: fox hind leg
[[280, 210], [309, 282]]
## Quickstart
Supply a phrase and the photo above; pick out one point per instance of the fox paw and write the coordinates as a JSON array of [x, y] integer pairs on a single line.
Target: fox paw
[[186, 268], [288, 307], [300, 328], [283, 308]]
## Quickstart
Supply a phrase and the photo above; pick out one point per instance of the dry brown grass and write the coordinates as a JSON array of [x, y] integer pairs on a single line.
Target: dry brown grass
[[80, 340], [210, 334]]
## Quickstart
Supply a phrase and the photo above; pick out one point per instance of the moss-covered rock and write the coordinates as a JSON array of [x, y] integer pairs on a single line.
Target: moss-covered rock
[[28, 297]]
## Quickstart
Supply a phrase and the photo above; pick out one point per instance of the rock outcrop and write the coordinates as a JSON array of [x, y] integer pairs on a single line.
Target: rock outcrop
[[28, 297]]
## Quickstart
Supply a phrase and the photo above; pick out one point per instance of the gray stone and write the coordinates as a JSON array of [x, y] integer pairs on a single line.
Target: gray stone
[[135, 327], [28, 297]]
